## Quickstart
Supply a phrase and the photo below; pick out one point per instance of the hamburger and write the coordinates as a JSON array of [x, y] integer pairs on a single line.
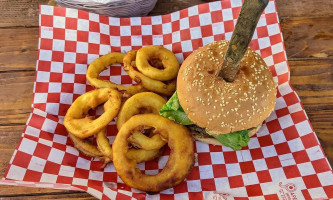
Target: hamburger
[[216, 111]]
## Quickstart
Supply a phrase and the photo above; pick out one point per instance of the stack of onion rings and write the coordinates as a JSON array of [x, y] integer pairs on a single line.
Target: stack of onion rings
[[81, 126], [145, 102], [157, 86], [180, 162], [99, 65], [139, 155], [142, 137]]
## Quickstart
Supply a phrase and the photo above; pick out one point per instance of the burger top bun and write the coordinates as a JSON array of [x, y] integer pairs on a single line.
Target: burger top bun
[[224, 107]]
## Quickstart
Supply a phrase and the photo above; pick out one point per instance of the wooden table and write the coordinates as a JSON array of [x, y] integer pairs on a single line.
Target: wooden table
[[307, 30]]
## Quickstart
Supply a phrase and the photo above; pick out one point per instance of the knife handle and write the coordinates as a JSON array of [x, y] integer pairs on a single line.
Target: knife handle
[[241, 37]]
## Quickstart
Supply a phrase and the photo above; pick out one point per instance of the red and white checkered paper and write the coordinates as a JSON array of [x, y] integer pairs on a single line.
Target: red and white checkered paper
[[284, 160]]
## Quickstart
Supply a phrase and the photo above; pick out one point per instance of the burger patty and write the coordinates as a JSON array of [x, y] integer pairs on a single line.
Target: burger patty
[[199, 131], [202, 131]]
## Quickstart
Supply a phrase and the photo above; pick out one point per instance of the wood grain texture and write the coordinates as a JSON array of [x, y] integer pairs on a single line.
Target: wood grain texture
[[18, 50], [304, 38], [19, 12], [25, 12], [313, 82], [8, 192], [301, 8], [308, 37], [46, 194], [16, 96], [9, 137]]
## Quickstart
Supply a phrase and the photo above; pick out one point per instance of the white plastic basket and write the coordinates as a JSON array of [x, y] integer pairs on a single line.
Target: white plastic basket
[[112, 8]]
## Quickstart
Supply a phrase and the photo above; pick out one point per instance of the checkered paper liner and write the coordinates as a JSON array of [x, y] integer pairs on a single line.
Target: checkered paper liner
[[284, 160]]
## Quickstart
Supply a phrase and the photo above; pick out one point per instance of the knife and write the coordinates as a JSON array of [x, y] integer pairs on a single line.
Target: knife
[[241, 37]]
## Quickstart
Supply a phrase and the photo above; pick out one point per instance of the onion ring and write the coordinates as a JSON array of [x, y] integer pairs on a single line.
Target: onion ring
[[181, 159], [147, 143], [153, 85], [86, 147], [168, 59], [77, 120], [149, 102], [139, 155], [99, 65], [145, 102], [103, 145], [103, 150]]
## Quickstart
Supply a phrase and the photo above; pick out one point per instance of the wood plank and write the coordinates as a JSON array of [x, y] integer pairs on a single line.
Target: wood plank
[[25, 12], [16, 96], [9, 191], [304, 8], [9, 138], [304, 38], [313, 82], [18, 49], [20, 12], [61, 195], [308, 37], [15, 192]]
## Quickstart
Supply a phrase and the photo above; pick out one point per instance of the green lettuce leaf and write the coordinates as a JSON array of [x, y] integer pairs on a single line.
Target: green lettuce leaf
[[235, 140], [173, 110]]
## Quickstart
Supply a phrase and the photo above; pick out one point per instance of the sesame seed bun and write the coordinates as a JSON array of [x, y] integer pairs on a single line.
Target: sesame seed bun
[[223, 107]]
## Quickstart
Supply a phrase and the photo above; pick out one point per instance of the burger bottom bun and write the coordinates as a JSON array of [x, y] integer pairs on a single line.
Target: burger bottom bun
[[213, 141]]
